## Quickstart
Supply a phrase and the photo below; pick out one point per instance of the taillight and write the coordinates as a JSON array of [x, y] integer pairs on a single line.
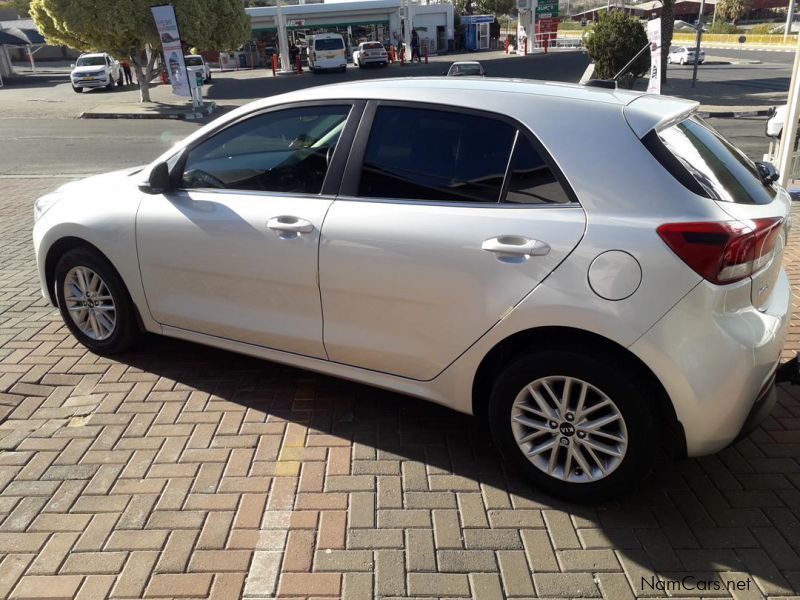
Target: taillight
[[723, 252]]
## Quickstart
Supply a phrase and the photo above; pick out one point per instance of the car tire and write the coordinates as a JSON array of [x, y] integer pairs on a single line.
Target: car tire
[[110, 86], [77, 90], [570, 466], [683, 61], [120, 80], [110, 325]]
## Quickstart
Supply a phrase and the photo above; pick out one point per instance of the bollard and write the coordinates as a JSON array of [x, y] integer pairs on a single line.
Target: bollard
[[299, 65], [391, 54], [402, 56], [426, 55], [545, 45], [164, 78], [274, 65], [507, 44]]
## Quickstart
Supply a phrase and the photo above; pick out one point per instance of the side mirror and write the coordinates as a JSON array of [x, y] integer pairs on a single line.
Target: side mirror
[[159, 181]]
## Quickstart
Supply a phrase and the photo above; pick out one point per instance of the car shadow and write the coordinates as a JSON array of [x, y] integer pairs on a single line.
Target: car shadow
[[719, 516]]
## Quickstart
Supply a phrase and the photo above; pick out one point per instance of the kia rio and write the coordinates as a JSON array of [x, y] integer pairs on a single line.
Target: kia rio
[[594, 273]]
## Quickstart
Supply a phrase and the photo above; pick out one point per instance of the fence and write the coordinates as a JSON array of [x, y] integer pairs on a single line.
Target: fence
[[733, 38]]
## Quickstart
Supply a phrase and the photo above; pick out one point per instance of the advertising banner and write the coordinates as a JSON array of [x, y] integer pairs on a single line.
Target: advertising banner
[[654, 37], [167, 26]]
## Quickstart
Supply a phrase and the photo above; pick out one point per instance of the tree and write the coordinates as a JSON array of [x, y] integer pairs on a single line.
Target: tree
[[21, 6], [667, 27], [733, 10], [615, 40], [485, 7], [126, 30]]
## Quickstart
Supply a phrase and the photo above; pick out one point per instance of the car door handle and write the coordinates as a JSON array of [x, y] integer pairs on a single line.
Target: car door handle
[[290, 224], [515, 247]]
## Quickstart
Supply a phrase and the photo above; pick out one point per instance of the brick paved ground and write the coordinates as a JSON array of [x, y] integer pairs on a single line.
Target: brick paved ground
[[181, 471]]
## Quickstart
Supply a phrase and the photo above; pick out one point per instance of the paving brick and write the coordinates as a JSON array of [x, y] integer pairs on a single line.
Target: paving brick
[[137, 540], [374, 538], [299, 550], [466, 561], [316, 584], [47, 586], [11, 569], [438, 584], [515, 572], [560, 585], [343, 560], [389, 573], [176, 553], [357, 586], [446, 529], [420, 555], [99, 563], [179, 585], [52, 555], [486, 586], [495, 539]]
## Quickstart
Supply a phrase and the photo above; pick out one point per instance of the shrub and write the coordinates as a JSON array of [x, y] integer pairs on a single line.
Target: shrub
[[723, 27], [763, 29], [615, 39]]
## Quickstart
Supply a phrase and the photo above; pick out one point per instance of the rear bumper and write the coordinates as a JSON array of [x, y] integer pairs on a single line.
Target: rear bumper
[[716, 364]]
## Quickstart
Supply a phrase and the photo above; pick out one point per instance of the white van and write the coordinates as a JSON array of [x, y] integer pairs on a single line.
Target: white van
[[326, 51]]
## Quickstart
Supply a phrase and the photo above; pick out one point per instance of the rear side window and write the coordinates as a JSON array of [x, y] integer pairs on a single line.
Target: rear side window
[[423, 154], [530, 179], [329, 44], [718, 169], [445, 156]]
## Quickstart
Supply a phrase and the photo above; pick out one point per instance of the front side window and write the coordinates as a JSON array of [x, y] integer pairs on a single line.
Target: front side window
[[283, 151], [424, 154]]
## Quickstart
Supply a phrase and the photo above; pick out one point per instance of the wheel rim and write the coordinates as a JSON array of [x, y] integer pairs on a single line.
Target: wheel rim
[[569, 429], [89, 303]]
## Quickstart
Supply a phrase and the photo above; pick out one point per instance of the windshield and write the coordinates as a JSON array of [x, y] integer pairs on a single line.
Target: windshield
[[465, 70], [193, 61], [720, 168], [372, 46], [91, 61], [329, 44]]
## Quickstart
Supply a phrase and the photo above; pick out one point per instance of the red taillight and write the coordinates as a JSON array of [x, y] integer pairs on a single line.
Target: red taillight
[[723, 252]]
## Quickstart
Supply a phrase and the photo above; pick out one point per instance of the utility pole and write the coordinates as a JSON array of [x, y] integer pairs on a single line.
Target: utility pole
[[697, 45], [789, 20]]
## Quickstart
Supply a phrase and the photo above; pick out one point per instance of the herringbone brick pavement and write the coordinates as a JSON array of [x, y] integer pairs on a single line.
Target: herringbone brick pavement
[[183, 472]]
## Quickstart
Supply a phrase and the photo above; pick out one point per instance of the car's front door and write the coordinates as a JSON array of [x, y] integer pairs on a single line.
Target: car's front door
[[233, 252], [447, 219]]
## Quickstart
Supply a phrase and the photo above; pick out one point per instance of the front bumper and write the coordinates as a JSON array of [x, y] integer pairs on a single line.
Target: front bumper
[[717, 363], [96, 83]]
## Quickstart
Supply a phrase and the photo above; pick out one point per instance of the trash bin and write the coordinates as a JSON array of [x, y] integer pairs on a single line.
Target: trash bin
[[242, 60]]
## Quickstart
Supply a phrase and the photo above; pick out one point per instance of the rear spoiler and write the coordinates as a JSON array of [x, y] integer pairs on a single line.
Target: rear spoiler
[[649, 112]]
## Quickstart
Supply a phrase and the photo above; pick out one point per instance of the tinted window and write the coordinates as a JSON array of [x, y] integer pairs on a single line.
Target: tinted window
[[425, 154], [723, 172], [465, 70], [531, 181], [91, 61], [193, 61], [284, 151], [329, 44]]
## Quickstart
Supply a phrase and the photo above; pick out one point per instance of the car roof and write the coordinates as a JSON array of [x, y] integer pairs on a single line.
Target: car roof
[[326, 35], [93, 54], [466, 62]]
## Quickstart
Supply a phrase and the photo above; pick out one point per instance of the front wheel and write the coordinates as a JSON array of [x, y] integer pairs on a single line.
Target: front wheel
[[683, 62], [579, 426], [94, 302], [77, 90]]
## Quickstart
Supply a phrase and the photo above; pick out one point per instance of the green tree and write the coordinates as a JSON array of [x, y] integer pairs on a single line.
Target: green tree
[[21, 6], [486, 7], [733, 9], [125, 28], [615, 39]]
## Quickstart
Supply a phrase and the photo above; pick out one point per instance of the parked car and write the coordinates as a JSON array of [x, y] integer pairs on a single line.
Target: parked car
[[327, 52], [466, 68], [473, 255], [198, 62], [370, 53], [98, 70], [683, 55]]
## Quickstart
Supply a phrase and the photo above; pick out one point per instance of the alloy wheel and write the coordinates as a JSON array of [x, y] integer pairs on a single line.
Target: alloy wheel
[[89, 303], [569, 429]]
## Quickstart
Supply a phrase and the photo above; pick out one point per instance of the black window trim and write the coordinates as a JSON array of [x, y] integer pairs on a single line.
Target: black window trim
[[333, 177], [352, 174]]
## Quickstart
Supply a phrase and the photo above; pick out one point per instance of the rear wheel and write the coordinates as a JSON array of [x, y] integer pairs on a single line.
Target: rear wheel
[[77, 90], [683, 61], [94, 302], [577, 425]]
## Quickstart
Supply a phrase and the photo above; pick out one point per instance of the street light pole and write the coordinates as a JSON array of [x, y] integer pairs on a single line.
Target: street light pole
[[789, 20], [789, 133], [697, 45]]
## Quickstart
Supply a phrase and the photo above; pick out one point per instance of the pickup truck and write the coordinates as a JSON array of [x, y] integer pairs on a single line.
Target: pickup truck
[[98, 70]]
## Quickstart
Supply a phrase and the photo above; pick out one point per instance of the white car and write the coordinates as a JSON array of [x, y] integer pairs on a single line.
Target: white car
[[198, 62], [444, 239], [370, 53], [98, 70], [466, 68], [326, 52], [683, 55]]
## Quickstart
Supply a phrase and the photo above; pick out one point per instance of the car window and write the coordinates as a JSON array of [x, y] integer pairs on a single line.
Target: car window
[[91, 61], [329, 44], [423, 154], [373, 46], [531, 181], [282, 151], [723, 172], [193, 61]]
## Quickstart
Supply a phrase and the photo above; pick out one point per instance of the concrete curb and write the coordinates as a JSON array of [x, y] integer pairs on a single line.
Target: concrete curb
[[191, 115]]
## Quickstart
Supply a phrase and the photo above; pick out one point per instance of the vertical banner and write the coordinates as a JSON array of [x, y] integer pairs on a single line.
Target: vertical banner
[[167, 26], [654, 37]]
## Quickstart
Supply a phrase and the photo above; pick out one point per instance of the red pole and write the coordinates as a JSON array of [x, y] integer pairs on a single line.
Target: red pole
[[391, 54], [403, 55], [545, 44], [426, 55], [274, 64]]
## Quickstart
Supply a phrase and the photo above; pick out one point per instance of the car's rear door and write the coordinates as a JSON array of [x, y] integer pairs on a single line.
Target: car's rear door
[[446, 220], [233, 252]]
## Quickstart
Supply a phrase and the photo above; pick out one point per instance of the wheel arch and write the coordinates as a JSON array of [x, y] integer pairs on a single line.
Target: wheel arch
[[674, 437]]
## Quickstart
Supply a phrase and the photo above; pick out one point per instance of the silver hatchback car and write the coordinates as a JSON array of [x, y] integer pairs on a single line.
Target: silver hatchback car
[[594, 273]]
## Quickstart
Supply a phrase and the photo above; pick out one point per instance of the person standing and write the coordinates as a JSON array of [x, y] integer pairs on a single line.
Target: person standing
[[415, 46], [126, 69]]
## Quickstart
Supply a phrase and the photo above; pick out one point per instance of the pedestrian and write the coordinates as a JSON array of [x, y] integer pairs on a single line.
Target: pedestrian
[[400, 48], [126, 69], [415, 46]]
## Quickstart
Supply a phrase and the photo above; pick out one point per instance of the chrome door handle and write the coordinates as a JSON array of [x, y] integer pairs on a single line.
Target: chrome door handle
[[290, 224], [515, 247]]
